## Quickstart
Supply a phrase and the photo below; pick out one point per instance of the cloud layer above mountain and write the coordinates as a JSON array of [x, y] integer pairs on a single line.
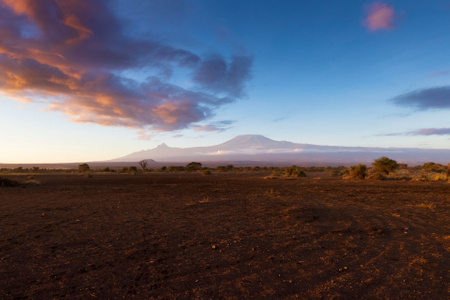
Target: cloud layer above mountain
[[74, 56]]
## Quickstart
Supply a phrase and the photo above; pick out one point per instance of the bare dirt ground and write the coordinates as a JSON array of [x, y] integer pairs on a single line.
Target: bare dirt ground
[[224, 236]]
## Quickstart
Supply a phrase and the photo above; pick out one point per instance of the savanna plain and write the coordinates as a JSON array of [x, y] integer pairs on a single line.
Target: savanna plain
[[226, 235]]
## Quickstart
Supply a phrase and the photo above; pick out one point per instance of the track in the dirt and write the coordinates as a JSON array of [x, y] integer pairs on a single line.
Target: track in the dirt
[[232, 236]]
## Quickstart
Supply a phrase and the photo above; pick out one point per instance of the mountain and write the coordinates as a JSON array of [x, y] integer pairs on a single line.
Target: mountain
[[258, 149]]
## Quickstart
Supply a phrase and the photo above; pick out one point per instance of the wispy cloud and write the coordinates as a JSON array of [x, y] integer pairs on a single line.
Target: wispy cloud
[[279, 119], [380, 17], [440, 73], [424, 99], [74, 54], [144, 135], [217, 126], [402, 115], [422, 132]]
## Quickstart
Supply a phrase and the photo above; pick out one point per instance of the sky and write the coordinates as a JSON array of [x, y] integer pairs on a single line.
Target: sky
[[87, 80]]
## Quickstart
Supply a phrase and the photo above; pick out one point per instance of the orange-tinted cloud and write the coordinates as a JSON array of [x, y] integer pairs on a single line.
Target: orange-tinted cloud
[[380, 17], [72, 54]]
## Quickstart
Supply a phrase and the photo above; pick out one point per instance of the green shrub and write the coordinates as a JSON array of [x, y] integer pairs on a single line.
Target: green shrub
[[132, 170], [87, 174], [357, 172], [294, 171], [385, 165]]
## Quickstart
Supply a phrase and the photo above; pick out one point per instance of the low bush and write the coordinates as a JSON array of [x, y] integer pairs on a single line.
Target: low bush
[[206, 172], [123, 170], [433, 167], [193, 166], [294, 171], [376, 176], [357, 172], [176, 169]]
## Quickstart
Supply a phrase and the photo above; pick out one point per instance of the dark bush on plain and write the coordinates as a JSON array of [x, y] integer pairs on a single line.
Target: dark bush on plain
[[193, 166], [176, 169], [123, 170], [6, 182]]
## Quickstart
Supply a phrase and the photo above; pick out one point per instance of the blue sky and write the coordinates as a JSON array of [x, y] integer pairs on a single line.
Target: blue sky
[[92, 80]]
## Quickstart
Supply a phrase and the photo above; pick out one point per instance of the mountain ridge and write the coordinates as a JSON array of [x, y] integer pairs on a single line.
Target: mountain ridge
[[254, 147]]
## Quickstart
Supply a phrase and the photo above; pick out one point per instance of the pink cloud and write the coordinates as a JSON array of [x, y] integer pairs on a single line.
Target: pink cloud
[[381, 17]]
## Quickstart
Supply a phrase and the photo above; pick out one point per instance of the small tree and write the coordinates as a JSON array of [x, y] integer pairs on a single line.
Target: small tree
[[143, 163], [385, 165], [357, 172], [83, 168]]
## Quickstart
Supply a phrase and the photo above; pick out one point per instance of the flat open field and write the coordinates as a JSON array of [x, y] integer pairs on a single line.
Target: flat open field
[[184, 235]]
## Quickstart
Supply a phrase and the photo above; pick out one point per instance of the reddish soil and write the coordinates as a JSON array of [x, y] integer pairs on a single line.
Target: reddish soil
[[224, 236]]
